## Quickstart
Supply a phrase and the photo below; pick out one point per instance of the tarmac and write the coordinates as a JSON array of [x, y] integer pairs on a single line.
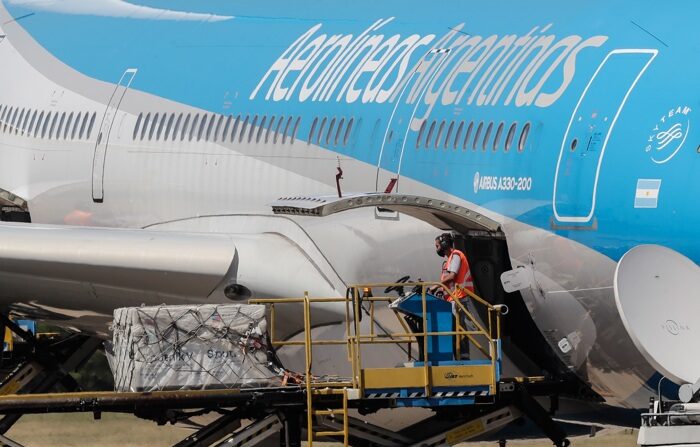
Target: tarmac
[[80, 429]]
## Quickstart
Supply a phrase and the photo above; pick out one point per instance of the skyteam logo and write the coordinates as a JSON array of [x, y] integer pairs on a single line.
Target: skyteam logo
[[669, 134], [476, 182]]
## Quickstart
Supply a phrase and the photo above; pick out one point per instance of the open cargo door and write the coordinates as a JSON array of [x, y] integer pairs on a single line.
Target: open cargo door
[[438, 213]]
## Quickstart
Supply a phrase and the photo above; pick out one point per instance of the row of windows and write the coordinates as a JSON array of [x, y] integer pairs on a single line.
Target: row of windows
[[475, 135], [216, 128], [337, 133], [50, 125]]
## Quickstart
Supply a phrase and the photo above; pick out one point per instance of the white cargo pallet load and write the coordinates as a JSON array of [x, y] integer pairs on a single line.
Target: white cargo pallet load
[[192, 348]]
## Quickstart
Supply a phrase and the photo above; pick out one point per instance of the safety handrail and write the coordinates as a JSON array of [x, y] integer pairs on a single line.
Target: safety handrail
[[355, 337]]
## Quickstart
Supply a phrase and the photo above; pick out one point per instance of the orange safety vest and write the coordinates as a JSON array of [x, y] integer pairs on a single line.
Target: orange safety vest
[[463, 280]]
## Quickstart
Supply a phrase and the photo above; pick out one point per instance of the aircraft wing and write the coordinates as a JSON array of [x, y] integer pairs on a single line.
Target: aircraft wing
[[80, 274]]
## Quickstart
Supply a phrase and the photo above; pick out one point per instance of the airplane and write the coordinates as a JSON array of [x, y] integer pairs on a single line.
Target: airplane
[[154, 147]]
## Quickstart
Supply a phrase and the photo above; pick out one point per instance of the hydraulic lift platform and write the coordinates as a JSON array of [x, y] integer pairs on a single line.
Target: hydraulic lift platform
[[474, 392]]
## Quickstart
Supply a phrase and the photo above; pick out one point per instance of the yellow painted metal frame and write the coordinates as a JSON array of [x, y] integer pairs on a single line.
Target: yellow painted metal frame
[[426, 376]]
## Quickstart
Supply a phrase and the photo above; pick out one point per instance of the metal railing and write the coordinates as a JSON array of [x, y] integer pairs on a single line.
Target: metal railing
[[485, 337], [669, 419], [355, 339]]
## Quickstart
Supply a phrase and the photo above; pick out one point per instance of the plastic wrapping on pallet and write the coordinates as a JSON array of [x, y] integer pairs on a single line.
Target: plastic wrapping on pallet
[[191, 347]]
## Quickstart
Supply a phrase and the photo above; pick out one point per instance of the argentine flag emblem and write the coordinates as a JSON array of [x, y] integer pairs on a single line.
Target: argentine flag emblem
[[647, 195]]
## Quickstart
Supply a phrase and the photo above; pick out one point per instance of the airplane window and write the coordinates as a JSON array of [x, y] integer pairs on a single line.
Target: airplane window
[[185, 125], [137, 125], [202, 126], [320, 130], [192, 131], [331, 129], [227, 126], [74, 129], [54, 121], [467, 136], [429, 138], [32, 121], [146, 121], [278, 129], [261, 128], [219, 125], [13, 123], [210, 128], [244, 126], [348, 131], [497, 139], [439, 134], [449, 134], [273, 120], [523, 137], [66, 129], [83, 126], [11, 119], [92, 124], [6, 119], [296, 129], [39, 123], [235, 127], [16, 122], [458, 136], [19, 121], [26, 121], [420, 133], [154, 125], [312, 131], [161, 126], [487, 136], [176, 127], [252, 128], [58, 123], [59, 131], [511, 135], [479, 128], [341, 125], [169, 127], [45, 128], [574, 144], [286, 129]]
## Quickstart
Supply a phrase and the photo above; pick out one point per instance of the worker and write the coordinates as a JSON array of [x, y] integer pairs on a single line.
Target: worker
[[457, 278]]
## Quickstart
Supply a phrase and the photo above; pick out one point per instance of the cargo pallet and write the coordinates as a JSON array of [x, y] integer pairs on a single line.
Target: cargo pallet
[[473, 392]]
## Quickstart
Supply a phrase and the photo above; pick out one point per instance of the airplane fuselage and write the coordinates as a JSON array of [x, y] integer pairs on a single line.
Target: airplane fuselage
[[573, 130]]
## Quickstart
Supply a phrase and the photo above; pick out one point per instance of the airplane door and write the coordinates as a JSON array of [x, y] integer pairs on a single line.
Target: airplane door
[[399, 127], [100, 156], [590, 127]]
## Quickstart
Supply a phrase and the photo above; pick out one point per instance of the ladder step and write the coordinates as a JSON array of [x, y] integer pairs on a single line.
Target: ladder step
[[329, 433], [327, 391], [327, 412]]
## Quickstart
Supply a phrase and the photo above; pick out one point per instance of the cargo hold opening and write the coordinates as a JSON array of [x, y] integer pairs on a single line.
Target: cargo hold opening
[[486, 247]]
